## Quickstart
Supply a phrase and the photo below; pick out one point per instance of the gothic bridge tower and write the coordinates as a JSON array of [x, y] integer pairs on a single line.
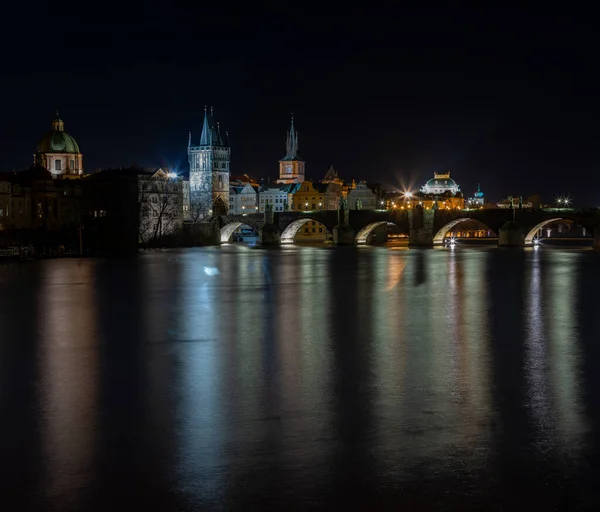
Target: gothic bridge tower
[[209, 170], [291, 166]]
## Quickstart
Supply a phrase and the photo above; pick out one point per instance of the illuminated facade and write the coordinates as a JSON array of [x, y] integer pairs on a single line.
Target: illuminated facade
[[59, 152], [243, 199], [478, 199], [361, 197], [209, 170], [440, 184], [291, 166]]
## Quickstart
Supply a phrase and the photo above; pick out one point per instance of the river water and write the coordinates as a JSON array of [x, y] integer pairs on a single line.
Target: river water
[[302, 378]]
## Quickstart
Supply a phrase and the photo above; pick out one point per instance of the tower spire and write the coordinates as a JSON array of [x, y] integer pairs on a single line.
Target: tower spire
[[291, 145], [190, 139], [219, 138], [206, 137]]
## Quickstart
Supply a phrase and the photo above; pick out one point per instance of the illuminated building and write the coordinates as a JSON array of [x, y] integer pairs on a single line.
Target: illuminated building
[[315, 196], [209, 170], [514, 202], [440, 184], [440, 192], [242, 200], [291, 166], [59, 152], [280, 196], [361, 197], [478, 199]]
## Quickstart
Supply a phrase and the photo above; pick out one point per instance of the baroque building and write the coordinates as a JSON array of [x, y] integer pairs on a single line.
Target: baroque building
[[440, 184], [291, 166], [209, 170], [59, 152]]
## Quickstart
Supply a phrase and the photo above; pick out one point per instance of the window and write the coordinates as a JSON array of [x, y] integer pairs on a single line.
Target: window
[[313, 230], [306, 230], [313, 205], [320, 230], [57, 165], [71, 164]]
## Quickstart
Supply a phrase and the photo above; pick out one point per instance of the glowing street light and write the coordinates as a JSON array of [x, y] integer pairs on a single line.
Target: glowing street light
[[171, 175], [408, 195]]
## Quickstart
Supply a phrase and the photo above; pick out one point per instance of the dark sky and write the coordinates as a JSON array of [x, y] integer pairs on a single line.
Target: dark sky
[[507, 98]]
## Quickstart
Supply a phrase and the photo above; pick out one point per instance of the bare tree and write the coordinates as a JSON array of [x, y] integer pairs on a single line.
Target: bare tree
[[160, 203]]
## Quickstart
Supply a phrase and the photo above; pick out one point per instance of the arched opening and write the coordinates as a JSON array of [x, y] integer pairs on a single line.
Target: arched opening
[[219, 207], [557, 228], [463, 228], [306, 230], [238, 232], [374, 233]]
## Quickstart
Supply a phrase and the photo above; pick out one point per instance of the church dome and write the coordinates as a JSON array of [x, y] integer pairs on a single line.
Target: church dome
[[440, 184], [448, 183], [57, 140]]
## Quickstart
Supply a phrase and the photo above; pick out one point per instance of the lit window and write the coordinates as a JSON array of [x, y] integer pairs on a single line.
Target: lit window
[[57, 165]]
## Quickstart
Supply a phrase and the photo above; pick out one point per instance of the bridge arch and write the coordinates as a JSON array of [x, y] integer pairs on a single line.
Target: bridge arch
[[363, 235], [438, 238], [228, 229], [291, 230], [530, 237]]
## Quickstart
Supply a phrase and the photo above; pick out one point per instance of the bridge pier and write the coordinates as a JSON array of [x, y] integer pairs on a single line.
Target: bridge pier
[[597, 237], [269, 234], [420, 223], [420, 238], [344, 234], [511, 234]]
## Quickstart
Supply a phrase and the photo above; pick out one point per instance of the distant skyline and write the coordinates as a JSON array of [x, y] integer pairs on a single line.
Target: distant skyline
[[495, 96]]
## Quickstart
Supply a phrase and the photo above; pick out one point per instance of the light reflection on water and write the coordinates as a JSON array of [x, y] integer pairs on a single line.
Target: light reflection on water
[[282, 378]]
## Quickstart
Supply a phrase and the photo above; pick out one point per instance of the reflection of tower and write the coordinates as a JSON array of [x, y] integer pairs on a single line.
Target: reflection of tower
[[209, 170], [291, 167]]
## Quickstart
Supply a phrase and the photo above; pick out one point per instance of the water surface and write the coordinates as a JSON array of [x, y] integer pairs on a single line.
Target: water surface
[[352, 378]]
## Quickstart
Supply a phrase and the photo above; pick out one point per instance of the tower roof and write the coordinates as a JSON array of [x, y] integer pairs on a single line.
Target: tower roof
[[291, 144], [331, 174], [211, 132]]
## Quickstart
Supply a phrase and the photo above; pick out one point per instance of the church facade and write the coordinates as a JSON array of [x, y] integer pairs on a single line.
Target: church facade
[[209, 171]]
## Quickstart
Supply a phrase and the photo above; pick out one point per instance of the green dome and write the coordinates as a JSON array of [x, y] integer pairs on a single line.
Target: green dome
[[58, 141], [441, 182]]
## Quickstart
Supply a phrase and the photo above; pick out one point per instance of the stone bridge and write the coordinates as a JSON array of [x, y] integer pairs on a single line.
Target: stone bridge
[[517, 227]]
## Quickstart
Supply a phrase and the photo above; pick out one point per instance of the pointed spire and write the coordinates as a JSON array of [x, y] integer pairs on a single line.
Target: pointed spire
[[291, 144], [206, 137], [190, 139], [219, 139]]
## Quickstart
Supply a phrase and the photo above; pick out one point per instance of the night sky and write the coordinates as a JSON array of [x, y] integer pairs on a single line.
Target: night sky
[[506, 98]]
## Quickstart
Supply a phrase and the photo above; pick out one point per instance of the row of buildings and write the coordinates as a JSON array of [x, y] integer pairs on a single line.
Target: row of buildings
[[55, 196]]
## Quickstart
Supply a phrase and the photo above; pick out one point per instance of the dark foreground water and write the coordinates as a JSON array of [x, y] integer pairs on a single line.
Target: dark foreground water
[[340, 379]]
